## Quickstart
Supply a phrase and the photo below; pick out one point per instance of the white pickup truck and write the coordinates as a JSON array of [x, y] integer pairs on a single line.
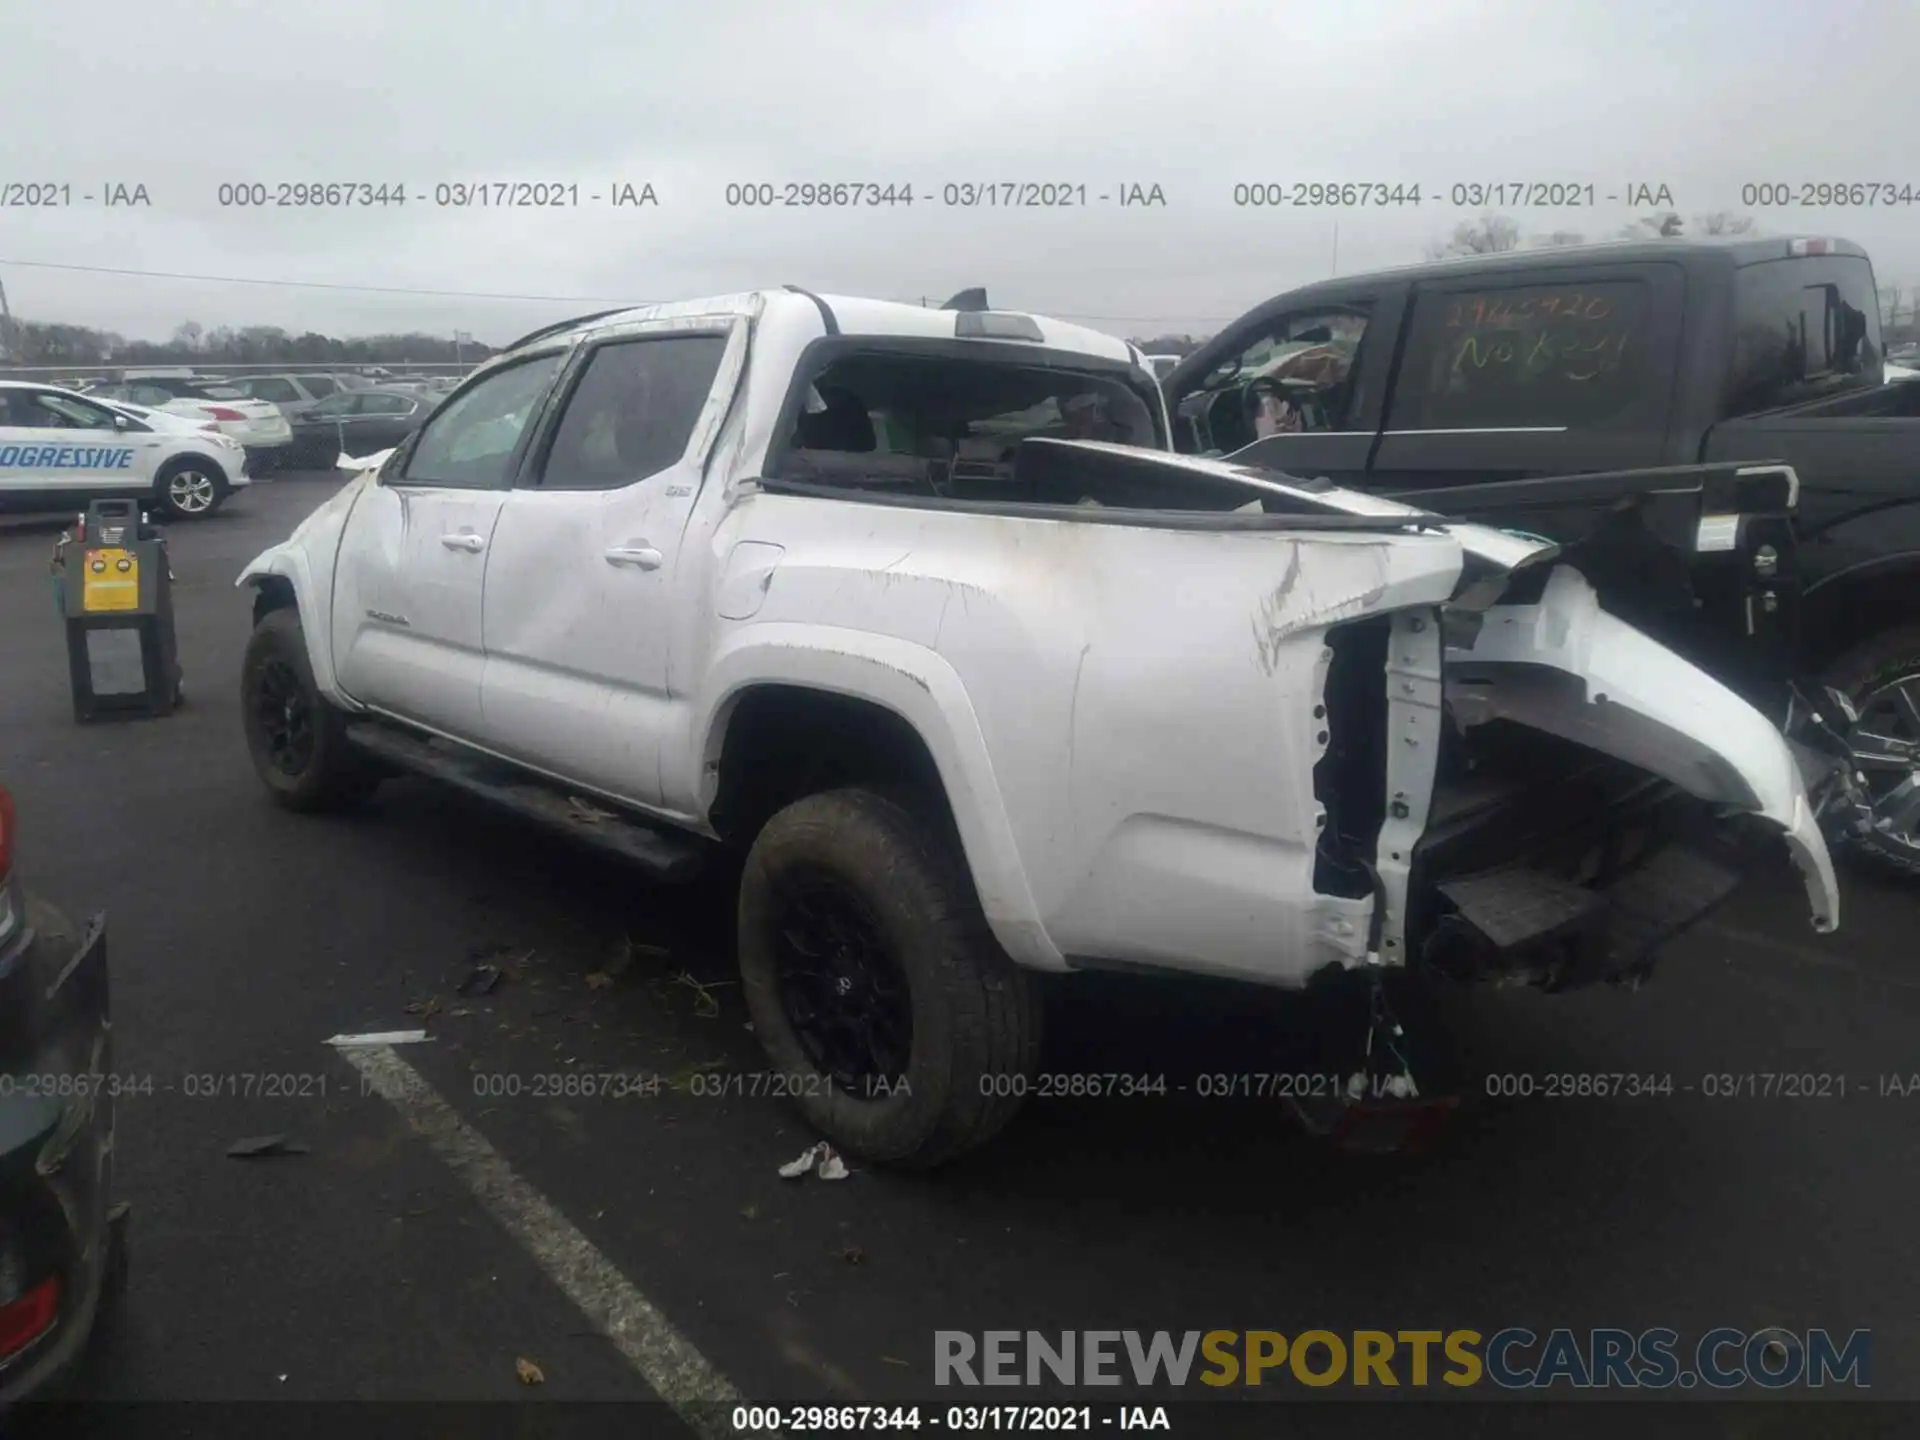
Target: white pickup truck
[[914, 610]]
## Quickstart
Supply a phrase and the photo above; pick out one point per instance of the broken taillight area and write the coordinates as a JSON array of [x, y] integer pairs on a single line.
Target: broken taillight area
[[1551, 865]]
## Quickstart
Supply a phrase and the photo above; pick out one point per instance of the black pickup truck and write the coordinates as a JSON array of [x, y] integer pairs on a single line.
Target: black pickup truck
[[1570, 392]]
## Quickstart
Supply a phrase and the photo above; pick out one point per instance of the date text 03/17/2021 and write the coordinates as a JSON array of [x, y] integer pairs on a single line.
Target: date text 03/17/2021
[[964, 1419]]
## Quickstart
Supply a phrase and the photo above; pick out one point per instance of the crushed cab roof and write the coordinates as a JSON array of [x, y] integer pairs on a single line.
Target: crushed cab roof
[[855, 315]]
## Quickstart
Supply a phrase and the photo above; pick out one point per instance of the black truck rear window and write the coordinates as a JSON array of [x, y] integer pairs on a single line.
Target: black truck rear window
[[1521, 356], [1803, 328]]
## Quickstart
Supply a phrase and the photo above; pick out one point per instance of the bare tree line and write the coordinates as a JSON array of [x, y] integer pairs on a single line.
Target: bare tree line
[[40, 344], [1491, 234]]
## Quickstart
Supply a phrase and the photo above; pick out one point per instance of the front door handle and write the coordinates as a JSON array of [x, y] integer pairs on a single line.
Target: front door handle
[[641, 557], [466, 540]]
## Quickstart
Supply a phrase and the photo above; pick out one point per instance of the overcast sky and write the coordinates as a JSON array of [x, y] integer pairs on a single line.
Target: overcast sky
[[1194, 96]]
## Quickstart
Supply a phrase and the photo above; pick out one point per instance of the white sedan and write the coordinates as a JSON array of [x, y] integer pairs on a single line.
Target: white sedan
[[59, 450], [256, 424]]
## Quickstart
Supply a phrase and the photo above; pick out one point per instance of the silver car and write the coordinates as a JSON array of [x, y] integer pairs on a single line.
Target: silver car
[[292, 392]]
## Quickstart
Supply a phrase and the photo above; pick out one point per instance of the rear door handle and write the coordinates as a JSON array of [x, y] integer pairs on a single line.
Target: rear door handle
[[466, 540], [641, 557]]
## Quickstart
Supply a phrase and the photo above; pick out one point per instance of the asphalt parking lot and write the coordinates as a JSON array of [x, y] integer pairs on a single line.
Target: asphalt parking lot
[[242, 937]]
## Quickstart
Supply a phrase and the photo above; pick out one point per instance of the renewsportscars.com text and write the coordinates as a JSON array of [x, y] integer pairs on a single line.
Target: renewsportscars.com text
[[1512, 1359]]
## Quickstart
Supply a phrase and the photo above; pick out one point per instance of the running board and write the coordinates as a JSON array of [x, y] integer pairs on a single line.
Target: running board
[[669, 856]]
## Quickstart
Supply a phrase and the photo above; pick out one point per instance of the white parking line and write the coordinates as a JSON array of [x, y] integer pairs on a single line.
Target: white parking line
[[666, 1360]]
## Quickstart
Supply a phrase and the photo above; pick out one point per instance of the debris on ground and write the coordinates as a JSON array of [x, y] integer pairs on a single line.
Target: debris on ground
[[529, 1373], [894, 1360], [598, 980], [853, 1255], [626, 952], [481, 980], [818, 1159], [705, 1004], [749, 1212], [261, 1147], [425, 1009], [378, 1037]]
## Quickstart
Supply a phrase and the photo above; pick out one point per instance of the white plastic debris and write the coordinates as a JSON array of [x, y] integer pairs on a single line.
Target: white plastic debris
[[356, 463], [820, 1159], [378, 1037]]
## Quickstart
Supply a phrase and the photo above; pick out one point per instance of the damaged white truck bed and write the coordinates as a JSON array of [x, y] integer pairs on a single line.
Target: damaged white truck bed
[[826, 582]]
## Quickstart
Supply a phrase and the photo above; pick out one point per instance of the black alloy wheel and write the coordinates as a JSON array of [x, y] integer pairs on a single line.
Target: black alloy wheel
[[843, 992]]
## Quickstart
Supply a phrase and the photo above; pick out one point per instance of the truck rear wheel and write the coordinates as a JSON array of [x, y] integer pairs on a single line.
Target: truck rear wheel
[[296, 739], [901, 1029], [1882, 679]]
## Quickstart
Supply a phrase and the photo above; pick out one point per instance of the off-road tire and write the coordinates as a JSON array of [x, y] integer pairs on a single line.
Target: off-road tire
[[163, 497], [334, 775], [1856, 675], [975, 1015]]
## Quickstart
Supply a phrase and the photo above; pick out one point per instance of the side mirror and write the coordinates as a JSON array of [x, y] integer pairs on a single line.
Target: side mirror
[[121, 422]]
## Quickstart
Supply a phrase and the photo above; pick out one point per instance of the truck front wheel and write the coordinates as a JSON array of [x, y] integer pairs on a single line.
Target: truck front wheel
[[1882, 679], [296, 739], [894, 1020]]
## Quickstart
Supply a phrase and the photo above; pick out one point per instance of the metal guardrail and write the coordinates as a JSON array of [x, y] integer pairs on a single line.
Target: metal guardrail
[[282, 367]]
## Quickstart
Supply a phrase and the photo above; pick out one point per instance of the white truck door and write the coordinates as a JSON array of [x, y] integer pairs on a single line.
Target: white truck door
[[61, 443], [582, 569], [407, 594]]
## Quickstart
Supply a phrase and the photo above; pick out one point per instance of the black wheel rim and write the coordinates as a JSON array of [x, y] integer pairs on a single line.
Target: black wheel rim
[[283, 717], [843, 992], [1886, 749]]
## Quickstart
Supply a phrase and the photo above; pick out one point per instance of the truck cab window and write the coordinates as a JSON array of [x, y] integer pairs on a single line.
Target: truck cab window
[[1298, 376], [473, 441], [1803, 329], [949, 427], [633, 411], [1522, 357]]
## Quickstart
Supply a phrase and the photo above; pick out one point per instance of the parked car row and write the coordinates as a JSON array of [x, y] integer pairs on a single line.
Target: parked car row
[[256, 424]]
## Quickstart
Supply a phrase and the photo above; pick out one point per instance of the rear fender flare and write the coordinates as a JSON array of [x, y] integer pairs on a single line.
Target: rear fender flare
[[924, 690]]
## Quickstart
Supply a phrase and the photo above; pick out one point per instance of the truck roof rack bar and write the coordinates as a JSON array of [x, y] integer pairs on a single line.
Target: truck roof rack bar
[[559, 325], [826, 310], [973, 299]]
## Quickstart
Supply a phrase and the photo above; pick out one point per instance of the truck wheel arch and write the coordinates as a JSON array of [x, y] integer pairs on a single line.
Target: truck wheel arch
[[1846, 608], [280, 580], [270, 593], [785, 720]]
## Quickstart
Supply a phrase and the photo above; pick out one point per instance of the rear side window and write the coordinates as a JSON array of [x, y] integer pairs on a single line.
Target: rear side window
[[1803, 329], [1522, 356], [280, 392], [320, 386], [633, 411]]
